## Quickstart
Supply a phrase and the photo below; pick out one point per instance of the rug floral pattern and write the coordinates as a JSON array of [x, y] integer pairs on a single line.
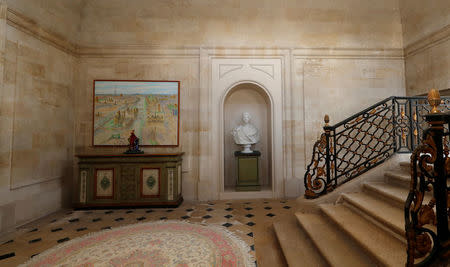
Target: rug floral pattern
[[151, 244]]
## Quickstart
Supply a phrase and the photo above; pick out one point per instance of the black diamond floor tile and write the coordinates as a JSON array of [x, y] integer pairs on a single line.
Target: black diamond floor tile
[[270, 214], [169, 210], [250, 234], [189, 210], [149, 211], [228, 216], [141, 218], [267, 208], [96, 219], [227, 224], [185, 217], [74, 220], [252, 247], [56, 229], [251, 223], [63, 240], [249, 215], [163, 218], [248, 208], [35, 240], [119, 219], [81, 229], [34, 230], [109, 212], [6, 256], [106, 227], [207, 217], [229, 209], [286, 207], [209, 209], [129, 211]]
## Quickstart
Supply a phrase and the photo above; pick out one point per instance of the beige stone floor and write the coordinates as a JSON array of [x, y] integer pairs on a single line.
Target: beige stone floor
[[250, 219]]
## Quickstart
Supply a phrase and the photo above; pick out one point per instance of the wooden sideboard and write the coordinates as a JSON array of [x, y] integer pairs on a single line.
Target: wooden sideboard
[[129, 180]]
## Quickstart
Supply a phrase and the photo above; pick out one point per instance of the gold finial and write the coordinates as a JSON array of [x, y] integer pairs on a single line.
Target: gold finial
[[434, 99], [326, 119]]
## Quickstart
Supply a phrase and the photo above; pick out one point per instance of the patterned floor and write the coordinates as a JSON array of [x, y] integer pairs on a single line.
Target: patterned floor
[[251, 220]]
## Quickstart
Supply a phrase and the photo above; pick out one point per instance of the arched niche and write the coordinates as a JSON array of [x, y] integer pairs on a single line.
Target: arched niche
[[247, 97]]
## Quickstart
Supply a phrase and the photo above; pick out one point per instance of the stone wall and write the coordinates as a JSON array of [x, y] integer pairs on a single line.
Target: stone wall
[[426, 38], [36, 121], [248, 23]]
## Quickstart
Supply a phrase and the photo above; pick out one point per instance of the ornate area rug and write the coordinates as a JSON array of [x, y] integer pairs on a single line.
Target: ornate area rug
[[169, 243]]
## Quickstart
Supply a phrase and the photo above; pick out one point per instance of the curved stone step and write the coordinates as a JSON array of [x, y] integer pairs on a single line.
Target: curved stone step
[[397, 177], [381, 245], [392, 192], [332, 244], [405, 166], [388, 215], [297, 248]]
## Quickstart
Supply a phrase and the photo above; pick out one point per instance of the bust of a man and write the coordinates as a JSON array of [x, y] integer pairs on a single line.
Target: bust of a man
[[246, 134]]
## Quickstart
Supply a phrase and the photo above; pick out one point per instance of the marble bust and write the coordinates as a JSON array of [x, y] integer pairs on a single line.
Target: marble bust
[[246, 134]]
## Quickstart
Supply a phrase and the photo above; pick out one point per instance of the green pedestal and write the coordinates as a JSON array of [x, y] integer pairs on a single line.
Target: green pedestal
[[248, 171]]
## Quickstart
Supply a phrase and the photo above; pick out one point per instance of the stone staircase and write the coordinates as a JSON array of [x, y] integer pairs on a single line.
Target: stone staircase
[[364, 228]]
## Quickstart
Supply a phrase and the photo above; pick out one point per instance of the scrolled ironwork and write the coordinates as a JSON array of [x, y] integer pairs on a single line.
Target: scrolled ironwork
[[365, 140], [422, 241], [316, 175]]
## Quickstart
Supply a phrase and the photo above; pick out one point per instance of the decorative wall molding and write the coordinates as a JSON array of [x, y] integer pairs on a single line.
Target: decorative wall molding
[[428, 41], [225, 69], [20, 185], [267, 69], [29, 26], [138, 51], [349, 53]]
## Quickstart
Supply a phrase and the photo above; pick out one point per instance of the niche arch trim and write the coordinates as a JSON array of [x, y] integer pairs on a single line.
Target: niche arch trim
[[267, 161]]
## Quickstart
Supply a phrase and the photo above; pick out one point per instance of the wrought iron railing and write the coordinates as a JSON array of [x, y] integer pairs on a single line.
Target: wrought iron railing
[[357, 144], [426, 225]]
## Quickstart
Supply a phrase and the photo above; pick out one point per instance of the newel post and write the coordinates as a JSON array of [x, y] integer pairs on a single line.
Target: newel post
[[327, 130], [436, 119]]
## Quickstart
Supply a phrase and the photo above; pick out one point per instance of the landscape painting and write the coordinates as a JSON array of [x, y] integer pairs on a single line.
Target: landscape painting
[[150, 108]]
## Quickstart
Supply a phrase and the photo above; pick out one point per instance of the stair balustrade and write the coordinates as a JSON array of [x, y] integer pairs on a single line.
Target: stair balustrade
[[426, 222], [363, 141]]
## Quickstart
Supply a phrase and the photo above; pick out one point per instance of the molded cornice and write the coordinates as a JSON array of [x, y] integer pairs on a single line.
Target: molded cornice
[[428, 41], [27, 25]]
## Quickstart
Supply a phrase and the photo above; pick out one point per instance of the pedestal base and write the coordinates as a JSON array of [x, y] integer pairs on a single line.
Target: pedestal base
[[247, 171], [242, 188]]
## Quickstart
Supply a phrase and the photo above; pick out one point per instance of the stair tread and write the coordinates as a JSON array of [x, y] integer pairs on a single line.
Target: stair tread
[[331, 242], [392, 191], [384, 212], [296, 246], [402, 178], [398, 174], [387, 249]]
